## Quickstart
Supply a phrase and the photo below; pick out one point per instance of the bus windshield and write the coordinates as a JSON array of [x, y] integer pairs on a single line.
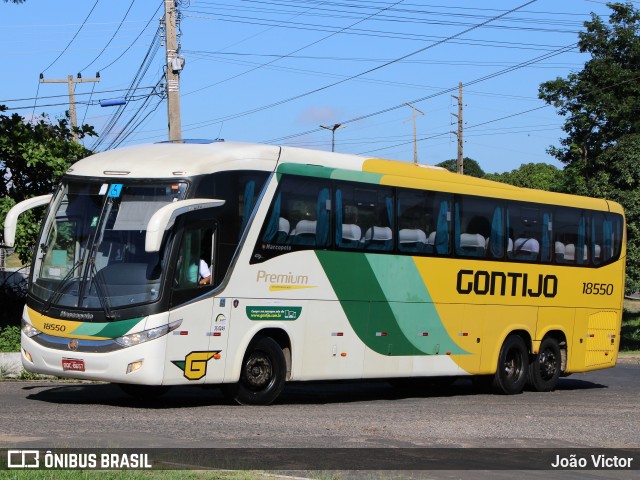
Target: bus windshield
[[91, 254]]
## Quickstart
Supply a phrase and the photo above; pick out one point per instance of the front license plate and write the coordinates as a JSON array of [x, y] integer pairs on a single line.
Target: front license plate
[[73, 364]]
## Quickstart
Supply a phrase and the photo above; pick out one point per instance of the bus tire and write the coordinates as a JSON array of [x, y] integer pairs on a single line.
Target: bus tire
[[544, 371], [262, 375], [144, 392], [513, 362]]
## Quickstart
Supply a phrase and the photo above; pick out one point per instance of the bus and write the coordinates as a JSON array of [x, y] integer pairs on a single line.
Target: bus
[[248, 266]]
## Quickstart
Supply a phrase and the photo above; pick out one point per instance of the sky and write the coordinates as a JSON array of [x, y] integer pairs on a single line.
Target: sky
[[275, 71]]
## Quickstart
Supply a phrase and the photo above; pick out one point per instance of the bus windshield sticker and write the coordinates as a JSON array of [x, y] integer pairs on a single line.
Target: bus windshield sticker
[[103, 189], [115, 190]]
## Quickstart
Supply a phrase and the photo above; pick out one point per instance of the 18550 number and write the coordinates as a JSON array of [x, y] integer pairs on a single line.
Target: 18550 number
[[589, 288]]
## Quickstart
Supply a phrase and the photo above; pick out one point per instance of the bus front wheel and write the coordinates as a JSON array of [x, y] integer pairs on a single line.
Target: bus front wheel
[[513, 362], [545, 368], [262, 376]]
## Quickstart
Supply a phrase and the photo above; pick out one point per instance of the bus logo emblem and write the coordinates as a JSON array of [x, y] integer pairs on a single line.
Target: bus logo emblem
[[72, 344]]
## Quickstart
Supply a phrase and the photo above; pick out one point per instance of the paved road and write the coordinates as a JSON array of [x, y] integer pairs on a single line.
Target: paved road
[[597, 409]]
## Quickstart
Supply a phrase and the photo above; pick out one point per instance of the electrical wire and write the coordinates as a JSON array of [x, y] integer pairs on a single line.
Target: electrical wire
[[294, 51], [135, 40], [74, 37], [325, 87], [111, 39]]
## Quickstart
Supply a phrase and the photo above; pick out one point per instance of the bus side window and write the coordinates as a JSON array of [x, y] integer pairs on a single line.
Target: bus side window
[[413, 221], [570, 237], [525, 228], [195, 258], [472, 225]]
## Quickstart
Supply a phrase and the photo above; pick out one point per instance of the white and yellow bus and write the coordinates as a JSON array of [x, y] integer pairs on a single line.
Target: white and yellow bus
[[249, 266]]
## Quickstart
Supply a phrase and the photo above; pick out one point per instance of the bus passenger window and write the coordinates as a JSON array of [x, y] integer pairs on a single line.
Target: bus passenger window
[[570, 242], [414, 212], [529, 229], [472, 225], [299, 217]]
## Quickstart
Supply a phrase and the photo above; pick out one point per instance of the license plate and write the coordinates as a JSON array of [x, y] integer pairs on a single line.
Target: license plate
[[73, 364]]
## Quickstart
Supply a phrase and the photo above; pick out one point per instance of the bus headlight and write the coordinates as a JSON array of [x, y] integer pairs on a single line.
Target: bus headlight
[[146, 335], [28, 329]]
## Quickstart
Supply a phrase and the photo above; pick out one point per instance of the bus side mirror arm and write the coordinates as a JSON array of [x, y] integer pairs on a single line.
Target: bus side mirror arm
[[165, 217], [11, 220]]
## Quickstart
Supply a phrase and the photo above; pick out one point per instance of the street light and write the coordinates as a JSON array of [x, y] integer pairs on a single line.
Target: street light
[[333, 129]]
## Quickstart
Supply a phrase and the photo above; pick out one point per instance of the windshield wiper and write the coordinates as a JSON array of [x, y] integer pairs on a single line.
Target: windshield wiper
[[98, 284], [57, 293]]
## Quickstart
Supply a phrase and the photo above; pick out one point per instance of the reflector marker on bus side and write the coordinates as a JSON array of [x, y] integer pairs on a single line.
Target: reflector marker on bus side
[[337, 334], [181, 332], [381, 334], [424, 334], [463, 334]]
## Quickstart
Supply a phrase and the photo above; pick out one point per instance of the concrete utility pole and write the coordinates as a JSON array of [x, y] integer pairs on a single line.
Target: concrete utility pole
[[174, 66], [70, 81], [333, 129], [460, 161], [415, 138]]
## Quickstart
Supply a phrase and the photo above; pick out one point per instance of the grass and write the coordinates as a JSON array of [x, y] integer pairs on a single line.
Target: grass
[[630, 333]]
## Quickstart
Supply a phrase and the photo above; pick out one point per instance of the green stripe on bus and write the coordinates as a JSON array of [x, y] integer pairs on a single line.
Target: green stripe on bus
[[326, 172], [387, 303], [107, 330]]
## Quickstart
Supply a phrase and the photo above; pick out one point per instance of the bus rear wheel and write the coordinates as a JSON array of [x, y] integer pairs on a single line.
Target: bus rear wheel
[[545, 368], [262, 376], [513, 362]]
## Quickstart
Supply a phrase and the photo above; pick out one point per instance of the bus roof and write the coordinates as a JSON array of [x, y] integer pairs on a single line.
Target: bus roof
[[172, 160]]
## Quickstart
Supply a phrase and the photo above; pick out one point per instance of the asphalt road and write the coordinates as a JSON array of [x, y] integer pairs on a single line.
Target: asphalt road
[[596, 409]]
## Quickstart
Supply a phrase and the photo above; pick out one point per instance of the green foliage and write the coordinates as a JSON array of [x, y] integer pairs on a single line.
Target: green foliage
[[541, 176], [471, 167], [601, 104], [10, 339], [33, 157]]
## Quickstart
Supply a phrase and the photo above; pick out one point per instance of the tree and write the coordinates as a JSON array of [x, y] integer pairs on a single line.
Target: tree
[[600, 102], [601, 106], [471, 167], [33, 157], [532, 175]]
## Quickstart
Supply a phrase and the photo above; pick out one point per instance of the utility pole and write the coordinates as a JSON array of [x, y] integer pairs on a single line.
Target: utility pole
[[333, 129], [415, 138], [71, 82], [460, 160], [174, 66]]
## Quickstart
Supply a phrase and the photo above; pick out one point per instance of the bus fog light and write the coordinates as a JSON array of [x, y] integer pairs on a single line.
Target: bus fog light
[[133, 366], [27, 356]]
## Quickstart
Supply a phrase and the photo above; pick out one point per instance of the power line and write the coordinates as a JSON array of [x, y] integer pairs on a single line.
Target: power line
[[135, 40], [443, 91], [296, 97], [112, 37], [74, 37], [295, 51]]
